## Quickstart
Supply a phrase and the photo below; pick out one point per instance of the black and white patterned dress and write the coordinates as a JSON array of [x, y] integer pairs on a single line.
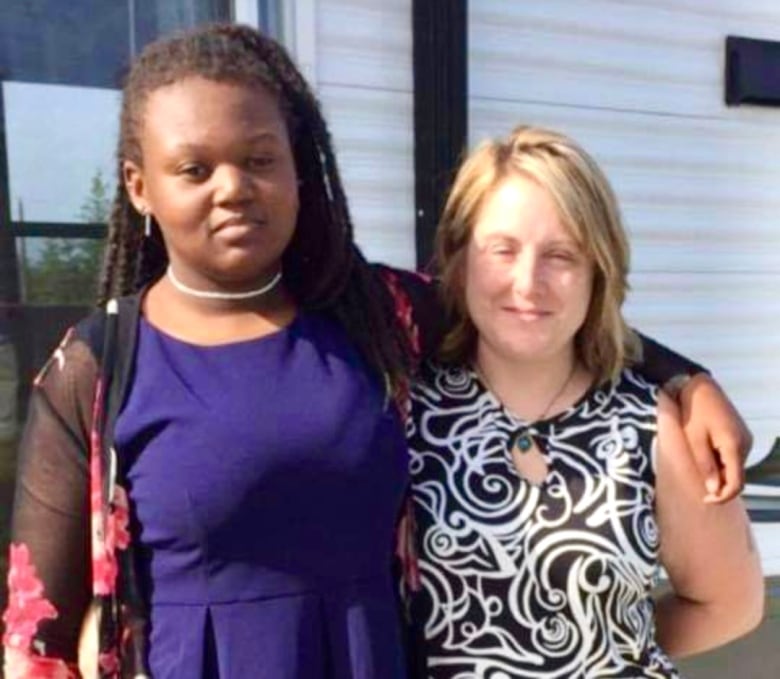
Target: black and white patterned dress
[[534, 581]]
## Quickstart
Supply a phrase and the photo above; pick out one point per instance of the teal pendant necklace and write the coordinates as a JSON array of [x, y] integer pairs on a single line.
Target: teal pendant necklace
[[523, 438], [523, 441]]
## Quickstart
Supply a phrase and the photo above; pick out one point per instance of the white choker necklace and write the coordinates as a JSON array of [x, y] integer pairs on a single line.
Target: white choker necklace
[[213, 294]]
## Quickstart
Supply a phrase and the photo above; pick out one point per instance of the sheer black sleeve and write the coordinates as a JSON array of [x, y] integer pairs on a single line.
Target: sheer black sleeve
[[659, 363], [49, 573]]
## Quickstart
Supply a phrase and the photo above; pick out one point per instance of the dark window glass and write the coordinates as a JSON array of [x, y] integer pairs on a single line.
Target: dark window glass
[[88, 42]]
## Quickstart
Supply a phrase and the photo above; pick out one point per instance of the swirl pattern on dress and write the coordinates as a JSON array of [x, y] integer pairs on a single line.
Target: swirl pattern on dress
[[550, 581]]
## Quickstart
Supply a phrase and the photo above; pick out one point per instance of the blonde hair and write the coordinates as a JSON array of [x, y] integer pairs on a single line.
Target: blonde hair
[[586, 206]]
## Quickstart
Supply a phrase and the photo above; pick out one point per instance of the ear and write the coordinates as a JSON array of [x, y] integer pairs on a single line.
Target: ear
[[135, 185]]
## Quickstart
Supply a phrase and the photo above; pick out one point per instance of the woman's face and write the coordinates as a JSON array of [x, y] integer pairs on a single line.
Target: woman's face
[[219, 177], [528, 283]]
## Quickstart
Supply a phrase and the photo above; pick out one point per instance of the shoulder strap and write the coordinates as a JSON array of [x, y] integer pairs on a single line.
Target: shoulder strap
[[121, 334], [111, 334]]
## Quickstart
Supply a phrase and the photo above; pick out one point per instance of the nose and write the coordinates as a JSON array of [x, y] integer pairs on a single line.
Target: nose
[[527, 273], [231, 184]]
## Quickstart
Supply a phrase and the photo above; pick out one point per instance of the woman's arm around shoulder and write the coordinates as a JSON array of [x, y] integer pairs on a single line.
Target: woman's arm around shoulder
[[707, 550], [48, 577], [717, 435]]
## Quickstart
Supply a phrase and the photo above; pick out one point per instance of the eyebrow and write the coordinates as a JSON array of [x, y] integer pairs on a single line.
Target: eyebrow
[[254, 139], [509, 238], [565, 241]]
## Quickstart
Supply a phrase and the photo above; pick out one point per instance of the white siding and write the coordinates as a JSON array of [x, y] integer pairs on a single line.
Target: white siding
[[364, 79], [640, 84], [665, 57]]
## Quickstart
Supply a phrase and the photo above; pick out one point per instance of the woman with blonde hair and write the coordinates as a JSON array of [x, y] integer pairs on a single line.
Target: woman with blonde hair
[[550, 480]]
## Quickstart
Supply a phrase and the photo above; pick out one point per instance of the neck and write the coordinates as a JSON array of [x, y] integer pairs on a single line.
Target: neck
[[533, 389], [216, 321], [215, 299]]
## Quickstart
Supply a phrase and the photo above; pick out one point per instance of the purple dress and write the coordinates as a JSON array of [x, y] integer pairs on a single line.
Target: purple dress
[[266, 477]]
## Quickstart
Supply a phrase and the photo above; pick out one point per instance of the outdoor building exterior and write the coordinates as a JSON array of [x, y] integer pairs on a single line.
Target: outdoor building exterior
[[640, 83]]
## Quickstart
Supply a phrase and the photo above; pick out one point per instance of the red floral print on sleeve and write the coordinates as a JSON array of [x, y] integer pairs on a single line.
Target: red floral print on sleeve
[[115, 535], [27, 607], [109, 525], [19, 665], [403, 310], [110, 535], [26, 604], [109, 663]]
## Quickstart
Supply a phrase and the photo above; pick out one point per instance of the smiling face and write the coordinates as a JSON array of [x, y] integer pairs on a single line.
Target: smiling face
[[527, 282], [218, 176]]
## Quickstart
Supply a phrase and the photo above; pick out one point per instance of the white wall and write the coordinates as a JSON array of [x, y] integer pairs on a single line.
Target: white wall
[[364, 80], [640, 84]]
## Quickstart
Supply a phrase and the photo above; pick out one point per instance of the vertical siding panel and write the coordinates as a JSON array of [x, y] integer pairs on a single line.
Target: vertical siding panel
[[364, 79]]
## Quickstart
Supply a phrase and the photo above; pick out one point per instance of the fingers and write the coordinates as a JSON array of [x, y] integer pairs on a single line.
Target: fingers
[[721, 465], [731, 447], [707, 463], [731, 457], [718, 437], [733, 482]]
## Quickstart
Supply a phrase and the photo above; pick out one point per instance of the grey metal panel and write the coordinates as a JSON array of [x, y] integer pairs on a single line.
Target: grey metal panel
[[729, 322], [364, 79], [697, 194], [372, 133], [650, 56], [365, 43]]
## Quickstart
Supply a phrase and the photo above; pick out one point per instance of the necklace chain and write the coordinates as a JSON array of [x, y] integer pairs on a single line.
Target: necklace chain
[[550, 404], [213, 294]]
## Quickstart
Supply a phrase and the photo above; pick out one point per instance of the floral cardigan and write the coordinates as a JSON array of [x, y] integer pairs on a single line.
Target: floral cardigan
[[72, 549]]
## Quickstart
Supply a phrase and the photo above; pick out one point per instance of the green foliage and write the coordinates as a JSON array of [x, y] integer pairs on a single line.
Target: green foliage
[[95, 207], [65, 273], [66, 270]]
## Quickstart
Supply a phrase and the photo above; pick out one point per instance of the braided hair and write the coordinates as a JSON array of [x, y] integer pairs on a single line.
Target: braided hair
[[323, 268]]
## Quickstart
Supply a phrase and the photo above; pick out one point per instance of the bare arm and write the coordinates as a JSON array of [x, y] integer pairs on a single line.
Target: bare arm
[[707, 550]]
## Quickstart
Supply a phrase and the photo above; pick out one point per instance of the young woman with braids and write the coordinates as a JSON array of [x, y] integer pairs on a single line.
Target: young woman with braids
[[213, 466]]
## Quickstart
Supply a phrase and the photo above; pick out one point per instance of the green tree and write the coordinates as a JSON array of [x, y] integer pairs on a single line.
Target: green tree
[[94, 209], [66, 270]]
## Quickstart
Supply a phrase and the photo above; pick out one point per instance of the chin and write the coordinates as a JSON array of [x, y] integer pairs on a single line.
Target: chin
[[524, 354], [538, 349], [243, 277]]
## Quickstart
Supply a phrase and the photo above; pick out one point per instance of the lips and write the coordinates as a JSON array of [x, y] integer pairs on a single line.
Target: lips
[[239, 231], [528, 314], [239, 223]]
